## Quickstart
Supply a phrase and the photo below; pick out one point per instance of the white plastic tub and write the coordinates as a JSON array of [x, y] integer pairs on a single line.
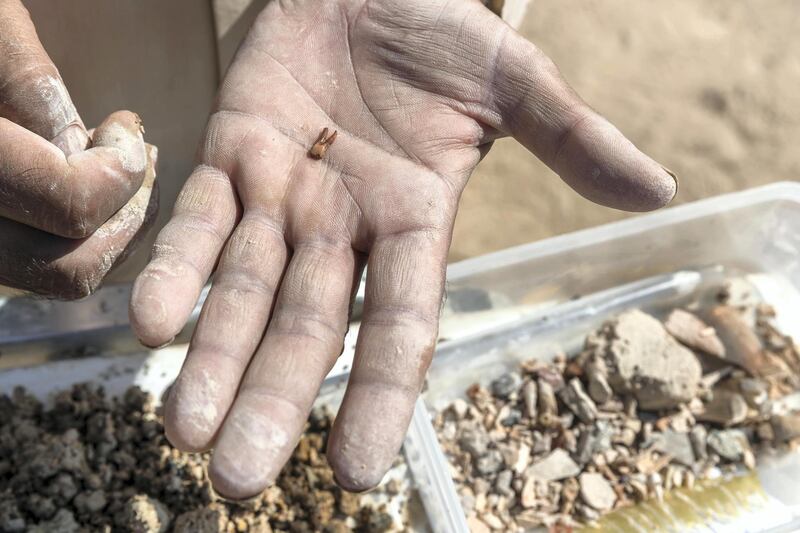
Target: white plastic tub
[[543, 298]]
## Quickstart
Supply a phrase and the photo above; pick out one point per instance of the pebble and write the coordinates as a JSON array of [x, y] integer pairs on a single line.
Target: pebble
[[698, 437], [489, 463], [475, 441], [503, 386], [62, 522], [649, 363], [786, 427], [677, 445], [596, 491], [144, 514], [729, 444], [576, 399], [529, 399], [476, 525], [557, 465], [502, 484], [90, 502], [725, 408]]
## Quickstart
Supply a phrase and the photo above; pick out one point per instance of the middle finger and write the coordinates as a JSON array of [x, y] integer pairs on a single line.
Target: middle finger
[[303, 340]]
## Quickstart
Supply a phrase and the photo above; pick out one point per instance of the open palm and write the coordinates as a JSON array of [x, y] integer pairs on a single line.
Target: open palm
[[417, 91]]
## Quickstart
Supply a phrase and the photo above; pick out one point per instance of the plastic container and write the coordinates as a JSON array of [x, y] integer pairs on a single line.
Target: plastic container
[[543, 298], [501, 308]]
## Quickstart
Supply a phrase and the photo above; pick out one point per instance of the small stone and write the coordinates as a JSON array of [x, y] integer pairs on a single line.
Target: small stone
[[744, 348], [677, 445], [694, 333], [90, 502], [11, 520], [586, 513], [467, 498], [476, 525], [542, 442], [786, 427], [557, 465], [644, 360], [493, 521], [547, 404], [459, 408], [729, 444], [596, 491], [529, 399], [62, 522], [528, 497], [489, 463], [725, 408], [502, 484], [523, 458], [765, 431], [474, 441], [698, 437], [513, 418], [143, 514], [210, 519], [503, 386], [755, 392], [578, 401], [597, 378]]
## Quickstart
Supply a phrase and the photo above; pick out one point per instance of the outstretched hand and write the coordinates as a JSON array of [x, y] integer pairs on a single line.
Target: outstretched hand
[[417, 91]]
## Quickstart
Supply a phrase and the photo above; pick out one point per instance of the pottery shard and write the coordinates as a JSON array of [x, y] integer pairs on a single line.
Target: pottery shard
[[557, 465], [694, 333], [596, 491], [645, 361]]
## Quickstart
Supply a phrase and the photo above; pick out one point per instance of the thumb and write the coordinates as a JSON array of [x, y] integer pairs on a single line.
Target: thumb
[[538, 108], [32, 93]]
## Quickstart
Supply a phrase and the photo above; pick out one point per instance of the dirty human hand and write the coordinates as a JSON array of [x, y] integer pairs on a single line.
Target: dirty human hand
[[68, 212], [416, 91]]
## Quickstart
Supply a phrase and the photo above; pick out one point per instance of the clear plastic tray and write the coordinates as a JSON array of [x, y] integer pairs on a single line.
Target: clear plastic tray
[[543, 298]]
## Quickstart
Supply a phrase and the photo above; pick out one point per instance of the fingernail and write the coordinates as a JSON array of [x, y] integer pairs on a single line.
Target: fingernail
[[675, 178]]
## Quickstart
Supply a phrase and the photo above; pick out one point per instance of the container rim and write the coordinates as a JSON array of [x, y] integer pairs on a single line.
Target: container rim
[[778, 191]]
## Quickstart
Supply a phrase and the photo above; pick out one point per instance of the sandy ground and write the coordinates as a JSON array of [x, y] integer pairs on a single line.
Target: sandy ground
[[709, 89]]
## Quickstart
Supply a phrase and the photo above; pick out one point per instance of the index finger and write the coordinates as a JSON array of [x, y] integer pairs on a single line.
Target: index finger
[[405, 283], [32, 93]]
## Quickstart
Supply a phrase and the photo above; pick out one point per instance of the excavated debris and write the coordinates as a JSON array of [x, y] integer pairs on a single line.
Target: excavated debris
[[90, 463], [645, 407]]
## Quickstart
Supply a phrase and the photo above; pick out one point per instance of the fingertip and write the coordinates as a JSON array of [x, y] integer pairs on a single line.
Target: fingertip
[[601, 164], [179, 435], [252, 448], [197, 404], [231, 483], [360, 461], [123, 130], [356, 476], [149, 318]]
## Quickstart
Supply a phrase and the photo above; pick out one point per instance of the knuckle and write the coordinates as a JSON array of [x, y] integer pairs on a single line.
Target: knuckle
[[81, 217], [78, 279]]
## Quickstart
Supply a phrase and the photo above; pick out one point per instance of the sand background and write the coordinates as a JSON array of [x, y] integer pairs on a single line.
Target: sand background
[[709, 89]]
